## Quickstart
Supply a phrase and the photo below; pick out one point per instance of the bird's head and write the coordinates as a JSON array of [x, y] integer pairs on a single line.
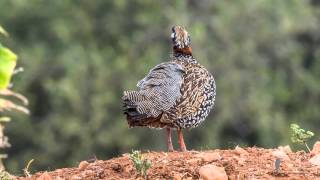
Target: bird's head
[[181, 40]]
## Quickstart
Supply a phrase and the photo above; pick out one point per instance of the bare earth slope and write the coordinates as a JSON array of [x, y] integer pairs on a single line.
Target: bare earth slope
[[239, 163]]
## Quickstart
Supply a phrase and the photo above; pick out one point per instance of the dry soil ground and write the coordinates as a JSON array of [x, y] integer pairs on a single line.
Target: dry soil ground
[[238, 163]]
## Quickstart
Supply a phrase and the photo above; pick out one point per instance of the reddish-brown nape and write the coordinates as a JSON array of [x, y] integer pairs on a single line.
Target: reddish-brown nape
[[186, 50]]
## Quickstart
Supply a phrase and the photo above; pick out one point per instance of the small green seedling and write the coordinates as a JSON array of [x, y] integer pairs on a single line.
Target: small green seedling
[[142, 165], [4, 175], [300, 135]]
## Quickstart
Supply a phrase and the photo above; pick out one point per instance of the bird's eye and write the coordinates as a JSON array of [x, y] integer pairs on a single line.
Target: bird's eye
[[172, 29]]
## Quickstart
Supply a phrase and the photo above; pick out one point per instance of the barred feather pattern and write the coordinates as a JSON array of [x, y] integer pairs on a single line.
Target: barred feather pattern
[[157, 93], [176, 94]]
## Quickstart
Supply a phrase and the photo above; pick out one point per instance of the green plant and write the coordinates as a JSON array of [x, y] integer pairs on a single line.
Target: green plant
[[4, 175], [8, 61], [142, 165], [300, 135]]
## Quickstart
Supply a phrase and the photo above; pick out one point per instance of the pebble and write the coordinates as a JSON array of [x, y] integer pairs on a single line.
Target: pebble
[[177, 177], [212, 172], [281, 155], [209, 156], [45, 176], [76, 177], [315, 160], [83, 165], [316, 148], [285, 149], [241, 160], [240, 151], [193, 161]]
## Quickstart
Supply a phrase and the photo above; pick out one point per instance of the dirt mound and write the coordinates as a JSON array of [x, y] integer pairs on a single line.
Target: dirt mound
[[239, 163]]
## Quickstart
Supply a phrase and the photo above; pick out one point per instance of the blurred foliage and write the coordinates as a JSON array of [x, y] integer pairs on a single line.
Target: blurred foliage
[[5, 175], [3, 31], [79, 56], [7, 64]]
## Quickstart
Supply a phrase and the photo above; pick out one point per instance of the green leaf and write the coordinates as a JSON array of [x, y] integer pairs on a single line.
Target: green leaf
[[5, 119], [7, 64], [3, 31]]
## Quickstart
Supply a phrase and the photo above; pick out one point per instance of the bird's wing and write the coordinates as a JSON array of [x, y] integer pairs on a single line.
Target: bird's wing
[[160, 88]]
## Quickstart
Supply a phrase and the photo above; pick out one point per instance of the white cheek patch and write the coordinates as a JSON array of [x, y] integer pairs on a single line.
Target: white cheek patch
[[172, 35]]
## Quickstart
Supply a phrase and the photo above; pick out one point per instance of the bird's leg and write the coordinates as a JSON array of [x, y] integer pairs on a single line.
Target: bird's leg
[[181, 141], [169, 140]]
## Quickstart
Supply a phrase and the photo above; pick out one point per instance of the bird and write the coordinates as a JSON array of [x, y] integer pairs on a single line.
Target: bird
[[175, 95]]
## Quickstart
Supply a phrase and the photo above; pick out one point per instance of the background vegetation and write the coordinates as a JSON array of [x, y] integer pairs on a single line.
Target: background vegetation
[[79, 56]]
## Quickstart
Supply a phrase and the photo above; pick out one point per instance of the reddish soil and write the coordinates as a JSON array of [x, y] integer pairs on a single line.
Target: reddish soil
[[247, 163]]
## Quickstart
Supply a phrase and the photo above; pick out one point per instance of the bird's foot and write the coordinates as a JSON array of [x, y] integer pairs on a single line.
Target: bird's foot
[[170, 149], [183, 149], [169, 140]]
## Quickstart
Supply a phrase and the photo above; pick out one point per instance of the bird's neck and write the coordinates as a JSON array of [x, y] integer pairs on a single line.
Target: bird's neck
[[184, 54], [182, 51]]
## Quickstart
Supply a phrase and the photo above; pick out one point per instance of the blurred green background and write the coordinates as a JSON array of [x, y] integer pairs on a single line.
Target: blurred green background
[[79, 56]]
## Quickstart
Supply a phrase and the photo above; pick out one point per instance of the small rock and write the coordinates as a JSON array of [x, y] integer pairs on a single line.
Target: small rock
[[165, 161], [316, 148], [75, 177], [241, 160], [290, 165], [116, 167], [87, 173], [177, 177], [240, 151], [59, 171], [209, 156], [126, 155], [45, 176], [83, 165], [285, 149], [193, 161], [59, 178], [315, 160], [212, 172], [251, 169], [281, 155]]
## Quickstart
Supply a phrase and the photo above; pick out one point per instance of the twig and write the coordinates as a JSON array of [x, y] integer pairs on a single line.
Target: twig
[[305, 143], [26, 169]]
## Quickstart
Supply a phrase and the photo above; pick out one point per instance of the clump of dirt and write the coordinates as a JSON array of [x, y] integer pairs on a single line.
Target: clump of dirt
[[239, 163]]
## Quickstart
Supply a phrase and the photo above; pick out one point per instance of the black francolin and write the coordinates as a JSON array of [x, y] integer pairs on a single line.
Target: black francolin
[[177, 94]]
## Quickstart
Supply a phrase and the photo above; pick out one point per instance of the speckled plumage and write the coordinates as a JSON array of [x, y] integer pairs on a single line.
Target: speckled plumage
[[175, 94], [198, 95]]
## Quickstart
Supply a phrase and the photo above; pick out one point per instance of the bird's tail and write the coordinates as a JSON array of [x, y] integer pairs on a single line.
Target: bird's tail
[[131, 101]]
